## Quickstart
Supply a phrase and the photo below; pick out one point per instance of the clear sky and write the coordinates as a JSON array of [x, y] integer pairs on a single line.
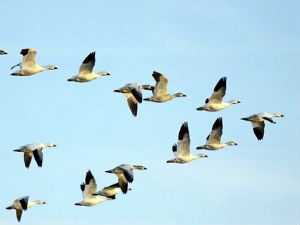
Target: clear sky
[[194, 43]]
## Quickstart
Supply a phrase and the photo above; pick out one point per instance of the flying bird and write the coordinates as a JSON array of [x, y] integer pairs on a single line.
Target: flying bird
[[36, 150], [88, 188], [110, 191], [2, 52], [213, 140], [182, 149], [215, 102], [29, 65], [86, 70], [23, 203], [258, 124], [133, 94], [160, 92], [124, 173]]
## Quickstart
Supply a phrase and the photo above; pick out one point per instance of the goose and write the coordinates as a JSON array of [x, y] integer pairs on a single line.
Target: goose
[[86, 70], [213, 140], [215, 103], [36, 150], [110, 191], [182, 149], [23, 203], [258, 124], [88, 188], [29, 65], [133, 94], [124, 173], [161, 93], [2, 52]]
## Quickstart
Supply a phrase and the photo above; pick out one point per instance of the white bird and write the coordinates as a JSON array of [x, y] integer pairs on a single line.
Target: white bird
[[2, 52], [215, 102], [86, 70], [36, 150], [88, 188], [29, 65], [23, 203], [213, 140], [160, 92], [133, 94], [182, 149], [110, 191], [124, 173], [258, 124]]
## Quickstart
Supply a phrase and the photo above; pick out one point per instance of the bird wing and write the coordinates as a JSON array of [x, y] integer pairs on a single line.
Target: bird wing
[[258, 129], [216, 132], [132, 103], [28, 57], [183, 144], [161, 84], [219, 91], [23, 202], [123, 183], [19, 214], [128, 173], [88, 64], [90, 185], [27, 158], [136, 91], [38, 156]]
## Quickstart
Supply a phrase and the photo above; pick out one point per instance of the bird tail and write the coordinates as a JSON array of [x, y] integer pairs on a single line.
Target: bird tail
[[200, 147], [200, 108]]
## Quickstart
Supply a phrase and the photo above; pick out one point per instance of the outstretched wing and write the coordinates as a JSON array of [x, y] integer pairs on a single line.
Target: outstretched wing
[[219, 91], [216, 132], [88, 64], [28, 57], [38, 156], [161, 84], [183, 144]]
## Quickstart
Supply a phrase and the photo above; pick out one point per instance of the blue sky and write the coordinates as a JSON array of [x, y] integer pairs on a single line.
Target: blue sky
[[194, 43]]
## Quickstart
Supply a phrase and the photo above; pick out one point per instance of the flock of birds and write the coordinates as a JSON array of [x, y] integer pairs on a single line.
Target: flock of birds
[[133, 94]]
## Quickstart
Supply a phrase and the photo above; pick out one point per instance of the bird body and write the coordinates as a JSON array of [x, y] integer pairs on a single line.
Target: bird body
[[88, 188], [182, 149], [86, 70], [35, 150], [258, 124], [133, 94], [23, 203], [215, 102], [213, 140], [160, 91], [29, 65], [124, 173]]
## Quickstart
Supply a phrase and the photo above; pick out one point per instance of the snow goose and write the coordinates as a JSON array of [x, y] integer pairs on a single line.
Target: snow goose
[[215, 103], [110, 191], [2, 52], [133, 94], [124, 173], [182, 149], [23, 203], [88, 188], [36, 150], [86, 70], [213, 140], [161, 93], [258, 124], [29, 65]]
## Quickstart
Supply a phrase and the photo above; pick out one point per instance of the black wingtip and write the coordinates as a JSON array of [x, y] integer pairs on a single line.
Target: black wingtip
[[90, 57], [259, 134], [174, 148], [82, 186], [221, 84], [89, 176], [24, 51], [218, 123], [183, 130]]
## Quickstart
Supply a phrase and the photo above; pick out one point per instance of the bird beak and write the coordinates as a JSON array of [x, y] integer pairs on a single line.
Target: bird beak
[[108, 74], [55, 68], [244, 119], [206, 155], [238, 101], [117, 90]]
